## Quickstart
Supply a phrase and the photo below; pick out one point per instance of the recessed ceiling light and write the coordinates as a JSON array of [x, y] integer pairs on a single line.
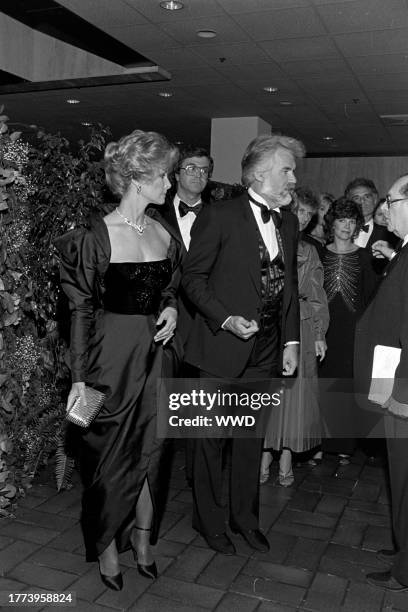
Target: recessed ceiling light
[[165, 94], [73, 101], [328, 138], [172, 5], [285, 103], [86, 123], [206, 33], [271, 89]]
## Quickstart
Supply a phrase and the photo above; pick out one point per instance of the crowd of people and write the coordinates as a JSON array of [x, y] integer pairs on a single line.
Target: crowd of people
[[276, 283]]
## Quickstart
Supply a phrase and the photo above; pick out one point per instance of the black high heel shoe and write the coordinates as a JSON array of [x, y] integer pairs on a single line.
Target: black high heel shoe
[[112, 582], [148, 571]]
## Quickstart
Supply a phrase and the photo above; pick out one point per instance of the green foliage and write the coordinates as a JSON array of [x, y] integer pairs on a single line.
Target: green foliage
[[45, 190]]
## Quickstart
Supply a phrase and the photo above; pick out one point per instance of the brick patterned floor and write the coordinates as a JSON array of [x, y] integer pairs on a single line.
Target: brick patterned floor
[[323, 532]]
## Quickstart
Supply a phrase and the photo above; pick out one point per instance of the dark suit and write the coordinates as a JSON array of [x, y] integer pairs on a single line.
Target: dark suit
[[385, 321], [186, 310], [380, 233], [222, 277]]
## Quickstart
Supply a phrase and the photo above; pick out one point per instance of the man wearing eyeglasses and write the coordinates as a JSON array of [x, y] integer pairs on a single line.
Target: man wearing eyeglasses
[[241, 275], [193, 170], [363, 192], [385, 322]]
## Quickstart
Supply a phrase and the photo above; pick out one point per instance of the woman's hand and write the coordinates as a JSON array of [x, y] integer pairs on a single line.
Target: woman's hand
[[77, 389], [168, 316], [320, 348]]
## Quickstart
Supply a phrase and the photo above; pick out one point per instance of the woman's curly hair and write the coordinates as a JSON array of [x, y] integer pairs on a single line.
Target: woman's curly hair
[[343, 208]]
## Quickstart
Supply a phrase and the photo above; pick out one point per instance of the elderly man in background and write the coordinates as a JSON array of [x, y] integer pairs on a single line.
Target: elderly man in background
[[363, 192], [378, 327], [240, 273]]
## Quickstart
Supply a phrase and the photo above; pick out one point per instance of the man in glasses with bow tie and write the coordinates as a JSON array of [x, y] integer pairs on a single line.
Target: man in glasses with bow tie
[[385, 322], [363, 192], [193, 170], [241, 275]]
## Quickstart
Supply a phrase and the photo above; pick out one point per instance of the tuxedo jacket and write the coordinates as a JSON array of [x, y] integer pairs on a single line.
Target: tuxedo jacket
[[385, 321], [222, 277], [380, 233], [186, 310]]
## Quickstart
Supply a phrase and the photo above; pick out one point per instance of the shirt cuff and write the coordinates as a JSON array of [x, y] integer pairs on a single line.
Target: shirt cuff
[[226, 321], [291, 342]]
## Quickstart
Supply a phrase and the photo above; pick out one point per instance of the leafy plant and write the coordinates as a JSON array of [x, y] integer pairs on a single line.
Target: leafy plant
[[45, 189]]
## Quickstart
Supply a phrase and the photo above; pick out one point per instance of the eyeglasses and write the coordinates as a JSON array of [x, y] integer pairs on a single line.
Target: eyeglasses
[[193, 170], [389, 201]]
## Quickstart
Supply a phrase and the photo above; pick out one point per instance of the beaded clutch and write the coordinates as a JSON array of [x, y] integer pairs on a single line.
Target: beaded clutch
[[84, 415]]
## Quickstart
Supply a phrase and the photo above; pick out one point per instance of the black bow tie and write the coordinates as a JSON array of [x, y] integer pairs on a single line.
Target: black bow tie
[[185, 208], [365, 228], [267, 213]]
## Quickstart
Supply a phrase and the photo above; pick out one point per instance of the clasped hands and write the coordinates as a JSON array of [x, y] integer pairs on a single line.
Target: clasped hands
[[244, 329]]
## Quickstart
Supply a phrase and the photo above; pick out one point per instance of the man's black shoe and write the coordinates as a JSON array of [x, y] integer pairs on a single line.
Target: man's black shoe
[[384, 580], [221, 543], [386, 555], [254, 538]]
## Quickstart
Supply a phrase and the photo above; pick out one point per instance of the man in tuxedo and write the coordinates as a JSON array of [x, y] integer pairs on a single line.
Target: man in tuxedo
[[241, 275], [181, 209], [385, 322], [363, 192]]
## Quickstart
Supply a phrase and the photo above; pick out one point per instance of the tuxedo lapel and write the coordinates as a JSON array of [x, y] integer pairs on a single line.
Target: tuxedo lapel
[[250, 241]]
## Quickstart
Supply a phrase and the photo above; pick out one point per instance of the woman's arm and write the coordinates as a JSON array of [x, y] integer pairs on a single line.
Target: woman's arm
[[318, 302], [78, 272], [168, 305]]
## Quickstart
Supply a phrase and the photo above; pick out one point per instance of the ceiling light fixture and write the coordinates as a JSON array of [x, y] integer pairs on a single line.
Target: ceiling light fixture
[[172, 5], [271, 89], [285, 103], [165, 94], [328, 138], [72, 101], [86, 123], [206, 33]]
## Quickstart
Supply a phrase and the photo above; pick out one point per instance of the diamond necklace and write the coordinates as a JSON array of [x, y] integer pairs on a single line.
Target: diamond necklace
[[139, 228]]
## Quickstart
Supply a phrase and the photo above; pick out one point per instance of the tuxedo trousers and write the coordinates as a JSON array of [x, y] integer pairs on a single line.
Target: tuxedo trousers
[[397, 446], [209, 511]]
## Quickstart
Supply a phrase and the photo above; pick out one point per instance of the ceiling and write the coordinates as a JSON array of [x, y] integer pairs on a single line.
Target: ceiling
[[339, 65]]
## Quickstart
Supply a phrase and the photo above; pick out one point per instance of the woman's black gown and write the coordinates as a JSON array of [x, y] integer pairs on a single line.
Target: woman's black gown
[[120, 449], [349, 282]]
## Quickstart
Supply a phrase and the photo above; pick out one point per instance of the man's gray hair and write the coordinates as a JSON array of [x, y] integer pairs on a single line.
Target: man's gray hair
[[262, 147], [403, 190]]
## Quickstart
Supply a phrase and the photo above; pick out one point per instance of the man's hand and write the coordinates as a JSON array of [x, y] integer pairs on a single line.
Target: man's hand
[[290, 359], [241, 327], [381, 249], [320, 348]]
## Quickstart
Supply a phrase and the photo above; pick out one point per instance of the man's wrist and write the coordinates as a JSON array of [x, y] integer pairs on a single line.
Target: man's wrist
[[225, 322]]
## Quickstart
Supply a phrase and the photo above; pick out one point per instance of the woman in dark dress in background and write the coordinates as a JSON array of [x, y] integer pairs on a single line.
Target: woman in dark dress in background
[[349, 282], [120, 276]]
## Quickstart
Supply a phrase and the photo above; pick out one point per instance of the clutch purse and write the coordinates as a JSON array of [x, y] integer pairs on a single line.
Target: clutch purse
[[84, 415]]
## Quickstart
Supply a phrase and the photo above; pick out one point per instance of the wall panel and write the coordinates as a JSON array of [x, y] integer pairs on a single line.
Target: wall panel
[[333, 173]]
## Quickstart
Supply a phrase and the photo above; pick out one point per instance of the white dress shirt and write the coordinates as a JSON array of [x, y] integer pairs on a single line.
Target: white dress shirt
[[363, 237], [185, 223], [267, 229]]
